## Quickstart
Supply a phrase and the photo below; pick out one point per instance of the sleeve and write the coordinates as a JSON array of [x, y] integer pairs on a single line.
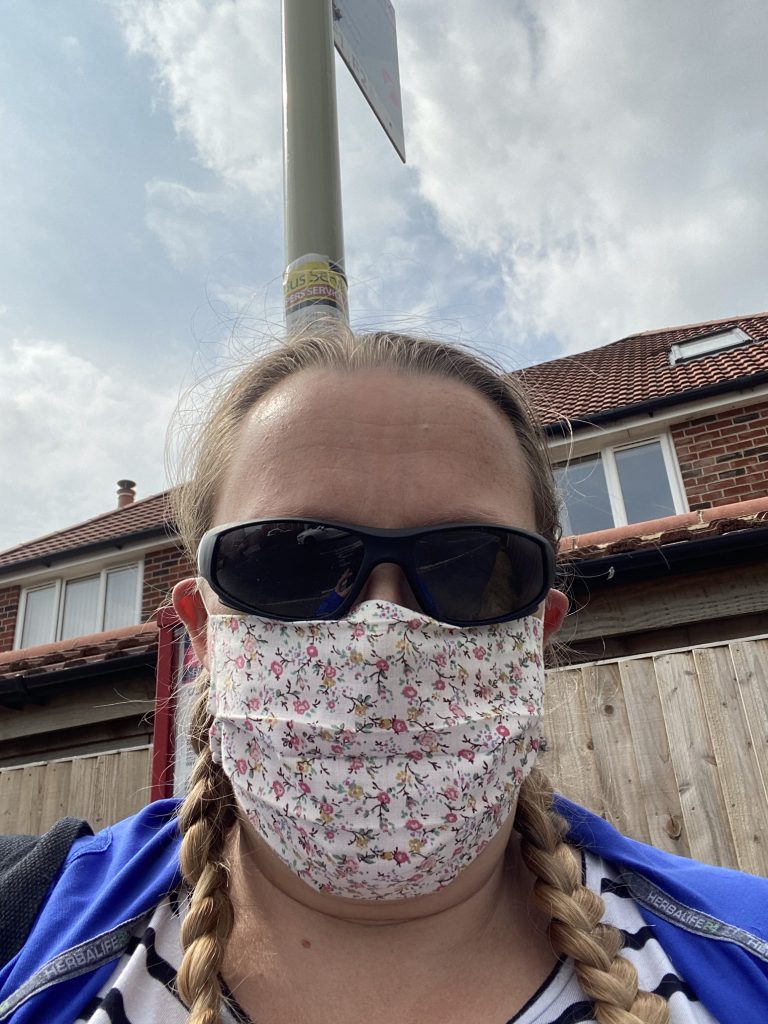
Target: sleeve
[[28, 866]]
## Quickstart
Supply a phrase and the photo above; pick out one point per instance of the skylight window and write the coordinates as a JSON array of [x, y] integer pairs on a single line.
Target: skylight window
[[696, 347]]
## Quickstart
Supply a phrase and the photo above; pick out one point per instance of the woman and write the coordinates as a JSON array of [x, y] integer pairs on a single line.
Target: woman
[[365, 835]]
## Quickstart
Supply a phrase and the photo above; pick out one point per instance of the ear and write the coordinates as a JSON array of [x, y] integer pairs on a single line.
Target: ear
[[555, 608], [191, 610]]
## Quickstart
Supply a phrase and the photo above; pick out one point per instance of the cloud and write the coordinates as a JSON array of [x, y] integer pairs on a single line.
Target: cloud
[[186, 221], [577, 171], [72, 52], [610, 156], [69, 430], [218, 65]]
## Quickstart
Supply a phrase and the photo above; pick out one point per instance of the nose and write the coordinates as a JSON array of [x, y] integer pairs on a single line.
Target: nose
[[388, 583]]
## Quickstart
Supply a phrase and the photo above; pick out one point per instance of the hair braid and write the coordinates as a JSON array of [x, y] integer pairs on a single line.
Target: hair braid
[[205, 818], [575, 930]]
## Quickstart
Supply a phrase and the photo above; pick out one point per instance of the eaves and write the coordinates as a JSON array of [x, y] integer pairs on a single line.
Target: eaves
[[663, 560], [105, 545], [36, 686], [564, 427]]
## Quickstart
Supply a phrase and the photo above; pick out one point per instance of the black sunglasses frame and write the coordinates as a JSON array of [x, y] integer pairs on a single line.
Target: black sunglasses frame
[[379, 546]]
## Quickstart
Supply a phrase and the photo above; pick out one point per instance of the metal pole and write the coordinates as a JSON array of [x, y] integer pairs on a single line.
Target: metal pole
[[314, 283]]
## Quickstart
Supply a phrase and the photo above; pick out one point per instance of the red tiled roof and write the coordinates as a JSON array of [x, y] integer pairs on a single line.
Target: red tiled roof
[[143, 516], [751, 514], [616, 376], [636, 370], [80, 651]]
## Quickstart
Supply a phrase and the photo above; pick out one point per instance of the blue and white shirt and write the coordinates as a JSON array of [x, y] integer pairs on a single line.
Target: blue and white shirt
[[142, 988], [105, 944]]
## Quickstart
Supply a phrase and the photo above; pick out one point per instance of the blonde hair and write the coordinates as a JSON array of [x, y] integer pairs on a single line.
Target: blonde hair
[[209, 810]]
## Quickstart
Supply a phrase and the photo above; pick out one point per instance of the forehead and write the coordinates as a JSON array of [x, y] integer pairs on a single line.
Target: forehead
[[376, 448]]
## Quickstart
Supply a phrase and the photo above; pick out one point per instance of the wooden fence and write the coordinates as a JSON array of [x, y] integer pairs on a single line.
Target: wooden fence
[[671, 747], [102, 788]]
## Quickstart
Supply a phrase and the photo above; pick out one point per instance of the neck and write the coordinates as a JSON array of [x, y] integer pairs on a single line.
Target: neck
[[496, 879], [477, 944]]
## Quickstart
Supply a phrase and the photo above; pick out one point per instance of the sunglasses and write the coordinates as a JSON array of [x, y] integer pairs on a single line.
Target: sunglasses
[[294, 569]]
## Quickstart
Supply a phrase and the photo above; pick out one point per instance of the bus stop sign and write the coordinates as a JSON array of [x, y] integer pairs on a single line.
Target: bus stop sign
[[365, 35]]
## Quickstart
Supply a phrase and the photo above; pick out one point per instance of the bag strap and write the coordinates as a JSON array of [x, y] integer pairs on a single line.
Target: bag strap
[[28, 866]]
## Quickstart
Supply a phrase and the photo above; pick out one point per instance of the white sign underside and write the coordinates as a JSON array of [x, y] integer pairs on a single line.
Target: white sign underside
[[365, 35]]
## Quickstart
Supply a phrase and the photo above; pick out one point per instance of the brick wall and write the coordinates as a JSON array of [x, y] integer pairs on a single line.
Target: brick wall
[[162, 569], [9, 607], [724, 456]]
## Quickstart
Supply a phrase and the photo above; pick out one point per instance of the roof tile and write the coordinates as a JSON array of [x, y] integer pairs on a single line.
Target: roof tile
[[751, 514], [151, 513], [79, 651], [636, 370]]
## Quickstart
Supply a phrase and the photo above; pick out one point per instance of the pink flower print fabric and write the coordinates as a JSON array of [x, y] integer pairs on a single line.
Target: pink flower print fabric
[[376, 755]]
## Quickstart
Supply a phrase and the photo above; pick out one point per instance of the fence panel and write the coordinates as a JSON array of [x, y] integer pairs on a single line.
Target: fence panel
[[680, 744], [672, 747], [740, 775], [614, 751], [570, 756], [657, 783], [102, 788]]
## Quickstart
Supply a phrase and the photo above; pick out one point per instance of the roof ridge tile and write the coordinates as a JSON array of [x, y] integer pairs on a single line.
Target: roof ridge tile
[[152, 512]]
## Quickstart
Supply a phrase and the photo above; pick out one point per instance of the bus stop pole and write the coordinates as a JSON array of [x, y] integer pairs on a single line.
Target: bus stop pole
[[314, 283]]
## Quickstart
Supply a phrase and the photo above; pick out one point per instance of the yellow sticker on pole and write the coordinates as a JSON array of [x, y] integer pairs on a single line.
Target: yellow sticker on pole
[[314, 287]]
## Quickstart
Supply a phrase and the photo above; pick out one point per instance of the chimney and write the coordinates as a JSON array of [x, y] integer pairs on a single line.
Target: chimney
[[126, 492]]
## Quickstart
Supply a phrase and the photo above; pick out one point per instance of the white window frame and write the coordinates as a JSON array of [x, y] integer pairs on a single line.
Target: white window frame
[[694, 348], [608, 459], [22, 611], [81, 572]]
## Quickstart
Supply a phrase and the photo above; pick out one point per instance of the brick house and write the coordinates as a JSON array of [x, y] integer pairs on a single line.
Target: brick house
[[660, 447], [78, 636]]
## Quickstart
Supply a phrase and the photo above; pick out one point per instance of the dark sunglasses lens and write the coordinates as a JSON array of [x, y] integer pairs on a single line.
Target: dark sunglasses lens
[[475, 574], [300, 570]]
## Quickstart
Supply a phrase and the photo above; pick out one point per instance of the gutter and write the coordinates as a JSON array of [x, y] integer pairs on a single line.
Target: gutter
[[726, 550], [20, 690]]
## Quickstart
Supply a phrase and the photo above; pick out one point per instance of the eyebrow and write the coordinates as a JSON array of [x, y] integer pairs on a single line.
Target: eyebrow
[[465, 516]]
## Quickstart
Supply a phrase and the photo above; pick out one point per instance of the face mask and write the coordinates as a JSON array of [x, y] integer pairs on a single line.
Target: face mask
[[376, 755]]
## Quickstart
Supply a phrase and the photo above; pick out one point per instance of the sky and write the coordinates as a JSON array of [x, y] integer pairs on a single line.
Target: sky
[[578, 170]]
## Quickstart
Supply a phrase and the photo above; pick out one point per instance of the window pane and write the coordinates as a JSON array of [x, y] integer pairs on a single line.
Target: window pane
[[39, 623], [120, 607], [584, 491], [644, 482], [81, 616]]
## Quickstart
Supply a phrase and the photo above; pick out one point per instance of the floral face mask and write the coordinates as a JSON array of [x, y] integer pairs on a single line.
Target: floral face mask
[[376, 755]]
